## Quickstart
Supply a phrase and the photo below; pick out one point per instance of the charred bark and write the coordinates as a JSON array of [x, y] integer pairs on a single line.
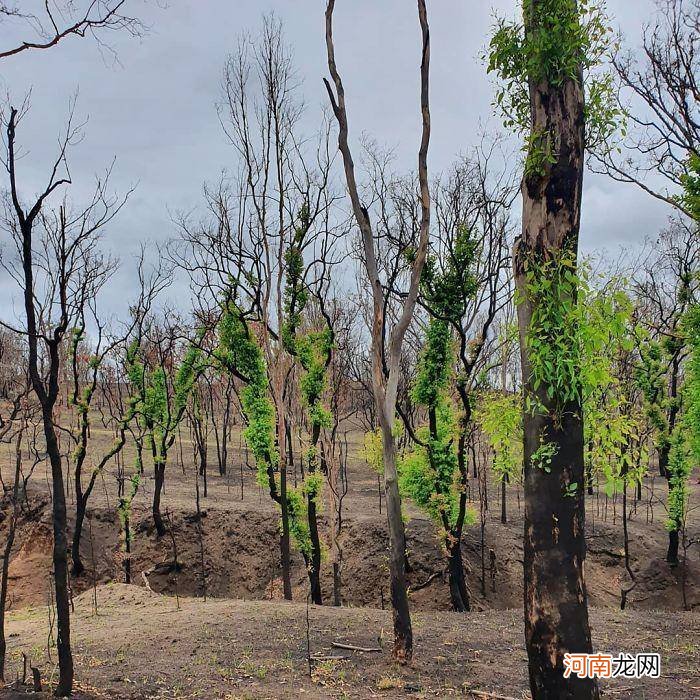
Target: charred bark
[[555, 599]]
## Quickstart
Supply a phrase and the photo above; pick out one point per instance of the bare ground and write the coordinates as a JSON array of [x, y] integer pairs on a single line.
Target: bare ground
[[140, 645], [245, 642]]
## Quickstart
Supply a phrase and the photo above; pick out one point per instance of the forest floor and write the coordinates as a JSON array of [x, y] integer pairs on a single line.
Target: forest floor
[[143, 645], [246, 642]]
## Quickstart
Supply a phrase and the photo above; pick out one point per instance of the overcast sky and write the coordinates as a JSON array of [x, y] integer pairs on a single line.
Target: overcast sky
[[155, 109]]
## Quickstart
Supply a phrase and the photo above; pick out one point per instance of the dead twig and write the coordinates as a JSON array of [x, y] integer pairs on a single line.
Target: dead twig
[[351, 647]]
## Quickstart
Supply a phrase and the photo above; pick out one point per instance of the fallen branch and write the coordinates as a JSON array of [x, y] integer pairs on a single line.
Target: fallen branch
[[425, 583], [329, 657], [350, 647]]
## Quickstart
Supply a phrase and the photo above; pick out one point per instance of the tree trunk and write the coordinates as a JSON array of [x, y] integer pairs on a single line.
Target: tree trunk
[[159, 478], [78, 568], [459, 593], [203, 464], [315, 559], [673, 539], [556, 610], [285, 561], [336, 584], [672, 551], [403, 633], [504, 518], [60, 558], [127, 548]]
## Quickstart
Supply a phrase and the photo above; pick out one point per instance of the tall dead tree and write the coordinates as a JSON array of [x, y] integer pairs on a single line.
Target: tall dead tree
[[58, 270], [385, 362]]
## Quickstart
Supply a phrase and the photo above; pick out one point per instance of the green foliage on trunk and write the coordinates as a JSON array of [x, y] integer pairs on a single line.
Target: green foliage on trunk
[[429, 474], [240, 354], [553, 337], [313, 350], [449, 282], [558, 41], [295, 293], [692, 385]]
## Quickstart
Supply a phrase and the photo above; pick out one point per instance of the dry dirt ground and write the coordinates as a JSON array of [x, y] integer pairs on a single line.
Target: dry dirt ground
[[140, 645], [245, 642]]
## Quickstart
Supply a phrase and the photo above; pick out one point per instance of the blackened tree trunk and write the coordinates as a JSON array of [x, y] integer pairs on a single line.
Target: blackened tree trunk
[[315, 559], [673, 539], [158, 481], [60, 554], [314, 562], [225, 429], [126, 564], [665, 451], [504, 514], [556, 610], [285, 560], [459, 593], [78, 568], [47, 391]]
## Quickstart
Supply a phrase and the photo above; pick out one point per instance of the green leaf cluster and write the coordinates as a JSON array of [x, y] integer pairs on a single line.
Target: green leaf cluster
[[447, 290], [684, 441], [557, 41], [500, 418], [313, 350], [542, 457], [553, 337], [373, 449], [295, 293], [433, 365], [239, 353], [690, 199], [429, 474]]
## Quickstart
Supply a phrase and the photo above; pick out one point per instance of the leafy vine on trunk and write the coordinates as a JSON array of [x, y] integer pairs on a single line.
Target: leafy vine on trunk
[[553, 93], [240, 354], [430, 475], [313, 350]]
